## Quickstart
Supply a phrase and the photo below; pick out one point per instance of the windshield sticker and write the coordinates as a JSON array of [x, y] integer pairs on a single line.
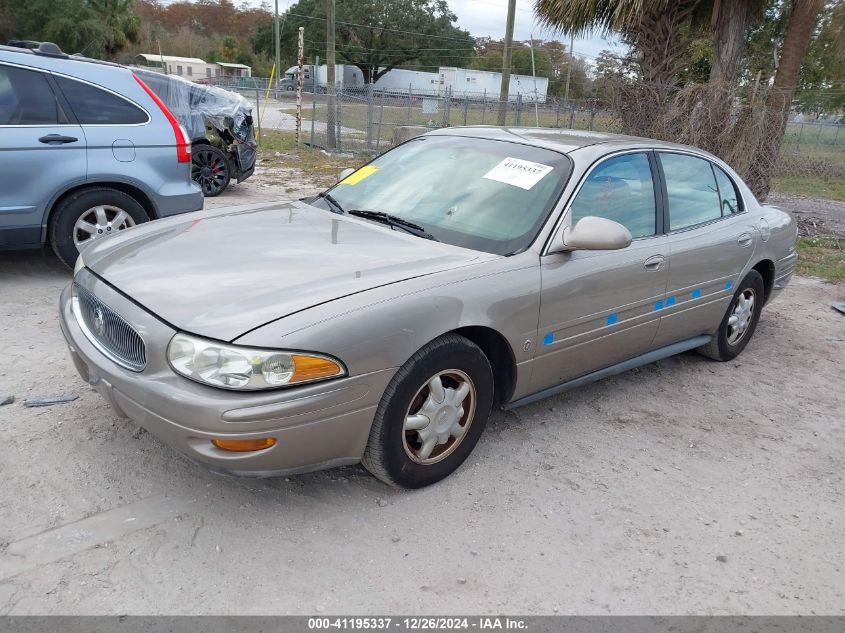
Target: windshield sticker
[[365, 172], [519, 173]]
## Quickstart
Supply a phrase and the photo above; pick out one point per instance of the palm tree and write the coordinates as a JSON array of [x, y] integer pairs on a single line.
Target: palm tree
[[656, 28], [803, 17]]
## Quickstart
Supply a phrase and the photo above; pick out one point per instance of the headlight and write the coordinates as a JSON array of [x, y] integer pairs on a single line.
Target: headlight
[[78, 266], [246, 368]]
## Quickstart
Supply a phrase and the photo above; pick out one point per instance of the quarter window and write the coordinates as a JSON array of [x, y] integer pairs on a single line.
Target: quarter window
[[730, 200], [619, 189], [93, 106], [27, 99], [693, 194]]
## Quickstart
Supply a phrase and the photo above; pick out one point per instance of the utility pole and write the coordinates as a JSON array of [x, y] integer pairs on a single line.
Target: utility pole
[[569, 66], [299, 78], [504, 93], [276, 45], [534, 74], [331, 81]]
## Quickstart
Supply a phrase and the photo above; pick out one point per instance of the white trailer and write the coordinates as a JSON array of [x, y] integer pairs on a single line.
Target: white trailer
[[400, 80], [346, 76], [466, 82]]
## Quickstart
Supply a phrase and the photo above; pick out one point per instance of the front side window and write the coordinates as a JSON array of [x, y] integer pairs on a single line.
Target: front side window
[[731, 202], [481, 194], [693, 194], [93, 106], [27, 99], [619, 189]]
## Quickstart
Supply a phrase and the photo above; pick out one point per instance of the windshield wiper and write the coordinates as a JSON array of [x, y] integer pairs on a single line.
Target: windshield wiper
[[394, 221], [325, 195]]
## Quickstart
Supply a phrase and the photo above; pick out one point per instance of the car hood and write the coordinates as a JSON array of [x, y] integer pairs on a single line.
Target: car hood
[[222, 273]]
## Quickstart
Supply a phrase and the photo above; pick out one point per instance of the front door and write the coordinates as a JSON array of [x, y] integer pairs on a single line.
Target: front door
[[599, 308], [41, 153]]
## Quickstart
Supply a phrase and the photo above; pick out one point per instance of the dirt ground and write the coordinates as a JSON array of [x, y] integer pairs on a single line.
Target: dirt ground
[[684, 487]]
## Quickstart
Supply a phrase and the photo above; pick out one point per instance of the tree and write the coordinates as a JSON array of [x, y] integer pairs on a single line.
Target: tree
[[99, 28], [660, 31], [803, 16], [378, 35]]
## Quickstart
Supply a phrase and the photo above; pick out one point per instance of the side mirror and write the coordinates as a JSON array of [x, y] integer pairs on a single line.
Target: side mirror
[[591, 233], [345, 173]]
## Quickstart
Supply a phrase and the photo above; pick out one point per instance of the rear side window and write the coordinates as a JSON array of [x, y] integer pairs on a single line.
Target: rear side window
[[731, 202], [693, 194], [27, 99], [619, 189], [93, 106]]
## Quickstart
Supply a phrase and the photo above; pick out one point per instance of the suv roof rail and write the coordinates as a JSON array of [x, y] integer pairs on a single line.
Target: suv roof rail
[[39, 48]]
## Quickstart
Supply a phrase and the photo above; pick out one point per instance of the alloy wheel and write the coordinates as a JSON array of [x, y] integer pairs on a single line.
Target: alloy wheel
[[98, 222], [210, 171]]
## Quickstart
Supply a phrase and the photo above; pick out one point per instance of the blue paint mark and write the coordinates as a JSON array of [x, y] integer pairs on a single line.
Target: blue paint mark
[[549, 338], [696, 293], [612, 318], [729, 284], [670, 301], [658, 306]]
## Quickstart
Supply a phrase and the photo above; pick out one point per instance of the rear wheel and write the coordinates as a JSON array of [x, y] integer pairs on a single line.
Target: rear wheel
[[740, 320], [210, 169], [431, 414], [90, 215]]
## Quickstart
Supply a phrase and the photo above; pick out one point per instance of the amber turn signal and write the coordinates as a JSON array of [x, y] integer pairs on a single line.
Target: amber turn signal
[[244, 446], [307, 368]]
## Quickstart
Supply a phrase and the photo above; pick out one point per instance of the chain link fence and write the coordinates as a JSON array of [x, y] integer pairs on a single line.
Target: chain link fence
[[365, 120]]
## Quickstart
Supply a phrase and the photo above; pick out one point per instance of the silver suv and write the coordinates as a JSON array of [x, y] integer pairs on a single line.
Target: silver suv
[[86, 149]]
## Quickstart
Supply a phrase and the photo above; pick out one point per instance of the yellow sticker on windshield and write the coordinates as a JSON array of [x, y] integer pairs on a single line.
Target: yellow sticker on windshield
[[365, 172]]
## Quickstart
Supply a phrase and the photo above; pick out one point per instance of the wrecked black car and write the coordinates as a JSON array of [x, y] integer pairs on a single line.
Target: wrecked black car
[[219, 124]]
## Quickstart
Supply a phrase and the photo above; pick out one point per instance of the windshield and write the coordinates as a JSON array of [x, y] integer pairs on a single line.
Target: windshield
[[482, 194]]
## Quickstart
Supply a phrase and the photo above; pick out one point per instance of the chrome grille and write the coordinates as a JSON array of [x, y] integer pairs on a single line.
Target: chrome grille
[[108, 331]]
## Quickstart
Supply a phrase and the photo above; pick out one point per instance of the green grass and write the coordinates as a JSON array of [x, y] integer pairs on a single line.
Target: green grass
[[822, 257], [830, 189], [313, 162]]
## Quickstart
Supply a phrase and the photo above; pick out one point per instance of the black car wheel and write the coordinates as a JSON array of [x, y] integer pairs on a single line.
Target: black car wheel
[[431, 414], [210, 170], [740, 320]]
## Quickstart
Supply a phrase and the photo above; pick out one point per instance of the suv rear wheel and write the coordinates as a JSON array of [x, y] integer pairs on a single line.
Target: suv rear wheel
[[89, 215], [210, 169]]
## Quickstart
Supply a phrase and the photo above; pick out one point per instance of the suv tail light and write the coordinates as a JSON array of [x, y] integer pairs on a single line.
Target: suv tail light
[[183, 143]]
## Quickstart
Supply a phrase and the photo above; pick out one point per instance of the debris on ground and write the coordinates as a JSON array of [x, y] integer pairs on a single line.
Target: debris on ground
[[6, 400], [48, 401], [836, 306]]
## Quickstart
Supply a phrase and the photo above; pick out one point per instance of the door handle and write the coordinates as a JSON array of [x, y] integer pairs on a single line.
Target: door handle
[[745, 239], [57, 139], [654, 263]]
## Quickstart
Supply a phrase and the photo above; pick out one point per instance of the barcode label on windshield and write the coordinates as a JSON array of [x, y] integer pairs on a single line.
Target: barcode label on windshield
[[519, 173]]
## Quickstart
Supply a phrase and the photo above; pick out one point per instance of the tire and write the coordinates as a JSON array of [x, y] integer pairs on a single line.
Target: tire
[[66, 236], [398, 456], [728, 342], [210, 169], [288, 88]]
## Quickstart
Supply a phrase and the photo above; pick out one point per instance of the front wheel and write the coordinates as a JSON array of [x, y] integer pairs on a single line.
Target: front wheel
[[740, 320], [431, 414]]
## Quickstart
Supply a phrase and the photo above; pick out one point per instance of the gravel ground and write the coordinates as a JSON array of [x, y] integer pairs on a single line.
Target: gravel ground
[[825, 217], [686, 486]]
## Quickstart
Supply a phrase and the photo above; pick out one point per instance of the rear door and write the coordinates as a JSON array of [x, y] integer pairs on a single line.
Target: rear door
[[598, 308], [42, 152], [711, 239], [114, 127]]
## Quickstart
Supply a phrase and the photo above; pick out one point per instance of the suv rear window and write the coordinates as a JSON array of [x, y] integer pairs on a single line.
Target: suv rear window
[[27, 99], [93, 106]]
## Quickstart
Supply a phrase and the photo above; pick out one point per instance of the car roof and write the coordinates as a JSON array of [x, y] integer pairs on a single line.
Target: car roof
[[43, 59], [559, 140]]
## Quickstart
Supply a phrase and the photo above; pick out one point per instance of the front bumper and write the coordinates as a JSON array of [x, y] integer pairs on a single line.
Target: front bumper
[[315, 426]]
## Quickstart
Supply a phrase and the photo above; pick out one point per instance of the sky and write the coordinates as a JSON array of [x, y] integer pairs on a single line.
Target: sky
[[488, 17]]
